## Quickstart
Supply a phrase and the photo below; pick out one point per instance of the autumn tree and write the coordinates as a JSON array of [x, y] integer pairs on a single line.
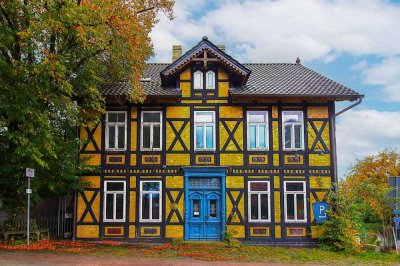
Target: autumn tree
[[368, 184], [54, 56]]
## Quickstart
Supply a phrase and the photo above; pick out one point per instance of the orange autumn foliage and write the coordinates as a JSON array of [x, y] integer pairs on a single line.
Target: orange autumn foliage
[[368, 181]]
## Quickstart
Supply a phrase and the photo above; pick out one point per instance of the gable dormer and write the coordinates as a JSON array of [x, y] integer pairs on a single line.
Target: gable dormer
[[203, 67]]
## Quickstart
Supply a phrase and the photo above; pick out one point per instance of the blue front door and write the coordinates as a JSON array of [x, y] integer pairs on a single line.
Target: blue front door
[[205, 214]]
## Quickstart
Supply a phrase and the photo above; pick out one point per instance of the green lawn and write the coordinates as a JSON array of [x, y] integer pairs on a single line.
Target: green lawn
[[216, 251]]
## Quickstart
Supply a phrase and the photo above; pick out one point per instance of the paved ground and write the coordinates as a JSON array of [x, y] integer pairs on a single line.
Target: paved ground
[[13, 258]]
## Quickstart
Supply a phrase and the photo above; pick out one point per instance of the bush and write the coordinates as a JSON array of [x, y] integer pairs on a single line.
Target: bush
[[345, 228]]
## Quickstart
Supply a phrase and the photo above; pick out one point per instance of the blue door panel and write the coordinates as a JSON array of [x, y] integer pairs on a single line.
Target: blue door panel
[[205, 221]]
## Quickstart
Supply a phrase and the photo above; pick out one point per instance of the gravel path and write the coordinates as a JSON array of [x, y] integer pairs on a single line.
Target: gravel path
[[31, 258]]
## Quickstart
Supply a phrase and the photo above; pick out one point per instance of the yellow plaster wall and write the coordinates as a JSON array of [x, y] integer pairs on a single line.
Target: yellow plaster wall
[[312, 135], [185, 75], [132, 206], [133, 140], [170, 135], [91, 181], [235, 182], [178, 112], [174, 182], [223, 89], [231, 159], [171, 206], [87, 231], [82, 207], [185, 88], [319, 160], [317, 112], [223, 135], [240, 207], [230, 112], [277, 206], [132, 231], [178, 159], [174, 231], [239, 229], [320, 182], [278, 231], [275, 135]]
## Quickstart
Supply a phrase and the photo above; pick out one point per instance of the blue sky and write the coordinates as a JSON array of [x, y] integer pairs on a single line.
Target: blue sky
[[356, 43]]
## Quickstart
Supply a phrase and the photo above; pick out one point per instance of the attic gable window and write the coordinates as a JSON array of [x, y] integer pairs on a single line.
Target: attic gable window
[[210, 77], [198, 80]]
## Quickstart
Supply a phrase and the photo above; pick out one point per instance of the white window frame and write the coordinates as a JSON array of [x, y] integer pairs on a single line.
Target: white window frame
[[106, 192], [292, 148], [151, 124], [201, 80], [257, 124], [204, 125], [116, 124], [213, 78], [295, 193], [151, 202], [259, 193]]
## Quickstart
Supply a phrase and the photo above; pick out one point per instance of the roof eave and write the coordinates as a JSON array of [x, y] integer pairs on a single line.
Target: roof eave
[[304, 96]]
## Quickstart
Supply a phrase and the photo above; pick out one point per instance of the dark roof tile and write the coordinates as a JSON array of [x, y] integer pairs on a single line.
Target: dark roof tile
[[267, 80]]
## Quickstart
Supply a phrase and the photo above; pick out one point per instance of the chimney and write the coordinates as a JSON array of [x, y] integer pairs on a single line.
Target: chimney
[[176, 52], [221, 47], [298, 60]]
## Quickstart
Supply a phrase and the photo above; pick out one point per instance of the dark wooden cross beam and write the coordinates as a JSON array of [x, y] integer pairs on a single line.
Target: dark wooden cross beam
[[205, 59]]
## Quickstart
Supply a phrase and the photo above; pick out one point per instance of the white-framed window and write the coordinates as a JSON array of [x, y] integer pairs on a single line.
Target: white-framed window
[[151, 133], [257, 130], [150, 205], [210, 80], [204, 130], [114, 201], [293, 130], [295, 201], [198, 80], [115, 130], [259, 201]]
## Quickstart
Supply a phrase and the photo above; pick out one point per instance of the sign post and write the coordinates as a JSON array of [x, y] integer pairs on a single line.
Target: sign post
[[29, 173]]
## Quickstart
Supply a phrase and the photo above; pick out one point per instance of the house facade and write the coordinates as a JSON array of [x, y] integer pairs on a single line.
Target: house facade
[[217, 146]]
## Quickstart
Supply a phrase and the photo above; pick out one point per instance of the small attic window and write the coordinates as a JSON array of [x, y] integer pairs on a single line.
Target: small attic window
[[198, 80], [210, 76], [145, 79]]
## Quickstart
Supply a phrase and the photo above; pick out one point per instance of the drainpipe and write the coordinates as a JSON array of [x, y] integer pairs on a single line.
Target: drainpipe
[[333, 130]]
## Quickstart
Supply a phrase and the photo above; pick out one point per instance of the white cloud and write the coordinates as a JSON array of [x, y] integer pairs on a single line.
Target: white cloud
[[365, 132], [271, 31], [387, 75]]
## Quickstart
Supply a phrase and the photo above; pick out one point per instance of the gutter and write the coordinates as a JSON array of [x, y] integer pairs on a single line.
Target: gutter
[[333, 130]]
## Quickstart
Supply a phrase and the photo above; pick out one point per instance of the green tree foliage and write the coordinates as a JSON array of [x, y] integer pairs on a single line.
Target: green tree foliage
[[54, 55], [345, 227]]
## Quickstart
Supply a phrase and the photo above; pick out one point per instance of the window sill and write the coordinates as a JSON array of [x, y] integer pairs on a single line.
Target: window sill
[[300, 149], [296, 222], [114, 221], [204, 150], [259, 221], [124, 149], [151, 150], [257, 149], [149, 221]]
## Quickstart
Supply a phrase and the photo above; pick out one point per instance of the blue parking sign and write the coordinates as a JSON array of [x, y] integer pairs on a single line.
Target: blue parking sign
[[320, 211]]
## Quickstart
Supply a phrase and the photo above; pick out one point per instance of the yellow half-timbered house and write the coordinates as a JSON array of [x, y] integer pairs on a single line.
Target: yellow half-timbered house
[[218, 145]]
